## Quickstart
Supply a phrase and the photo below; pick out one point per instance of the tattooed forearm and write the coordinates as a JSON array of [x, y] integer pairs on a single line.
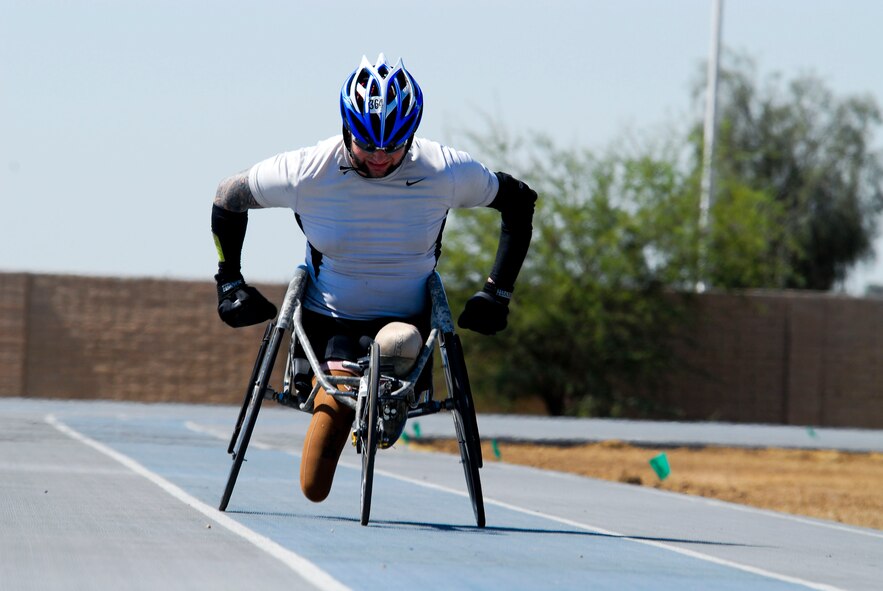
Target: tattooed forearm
[[234, 195]]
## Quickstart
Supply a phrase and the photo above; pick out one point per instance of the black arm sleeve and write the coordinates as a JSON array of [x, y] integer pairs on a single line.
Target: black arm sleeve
[[515, 201], [228, 228]]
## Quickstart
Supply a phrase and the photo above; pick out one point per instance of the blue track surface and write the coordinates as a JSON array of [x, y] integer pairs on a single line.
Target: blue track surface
[[544, 531]]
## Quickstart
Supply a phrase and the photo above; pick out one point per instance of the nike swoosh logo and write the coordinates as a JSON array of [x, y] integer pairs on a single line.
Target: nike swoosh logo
[[409, 183]]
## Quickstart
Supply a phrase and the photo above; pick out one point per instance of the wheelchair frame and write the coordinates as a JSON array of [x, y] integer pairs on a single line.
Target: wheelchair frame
[[365, 392]]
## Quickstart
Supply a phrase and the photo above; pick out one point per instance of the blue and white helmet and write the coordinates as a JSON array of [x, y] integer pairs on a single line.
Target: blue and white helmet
[[381, 106]]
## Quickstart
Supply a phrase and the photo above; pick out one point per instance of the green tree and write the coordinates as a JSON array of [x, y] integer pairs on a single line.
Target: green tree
[[746, 227], [812, 153], [605, 290], [591, 321]]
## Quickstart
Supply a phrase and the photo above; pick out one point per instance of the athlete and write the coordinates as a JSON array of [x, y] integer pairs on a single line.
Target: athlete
[[372, 203]]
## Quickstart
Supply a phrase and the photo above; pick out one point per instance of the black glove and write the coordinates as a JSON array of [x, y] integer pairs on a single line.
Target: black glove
[[239, 304], [486, 311]]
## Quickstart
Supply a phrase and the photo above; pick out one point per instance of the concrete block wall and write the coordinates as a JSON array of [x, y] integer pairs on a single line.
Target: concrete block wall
[[782, 357], [134, 339], [13, 337], [763, 357]]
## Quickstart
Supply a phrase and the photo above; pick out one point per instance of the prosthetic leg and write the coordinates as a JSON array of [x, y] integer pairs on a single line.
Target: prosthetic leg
[[329, 429], [327, 434], [400, 345]]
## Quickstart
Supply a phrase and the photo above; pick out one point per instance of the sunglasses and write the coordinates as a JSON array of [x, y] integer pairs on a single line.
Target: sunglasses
[[371, 148]]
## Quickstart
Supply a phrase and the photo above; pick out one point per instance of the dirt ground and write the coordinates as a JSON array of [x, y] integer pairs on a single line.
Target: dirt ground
[[839, 486]]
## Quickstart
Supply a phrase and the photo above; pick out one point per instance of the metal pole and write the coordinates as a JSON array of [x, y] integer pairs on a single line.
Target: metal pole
[[706, 188]]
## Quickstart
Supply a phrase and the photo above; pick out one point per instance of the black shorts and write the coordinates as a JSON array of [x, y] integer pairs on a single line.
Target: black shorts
[[348, 340]]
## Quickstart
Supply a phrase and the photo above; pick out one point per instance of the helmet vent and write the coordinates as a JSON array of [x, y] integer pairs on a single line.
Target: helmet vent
[[381, 105]]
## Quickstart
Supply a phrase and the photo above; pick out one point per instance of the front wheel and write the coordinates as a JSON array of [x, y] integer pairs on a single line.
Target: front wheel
[[248, 391], [249, 413], [465, 423], [470, 469], [368, 434]]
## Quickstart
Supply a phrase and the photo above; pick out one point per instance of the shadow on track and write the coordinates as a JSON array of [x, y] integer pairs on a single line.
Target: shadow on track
[[491, 530]]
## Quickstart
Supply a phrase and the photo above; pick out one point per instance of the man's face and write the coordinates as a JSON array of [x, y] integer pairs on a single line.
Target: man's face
[[378, 163]]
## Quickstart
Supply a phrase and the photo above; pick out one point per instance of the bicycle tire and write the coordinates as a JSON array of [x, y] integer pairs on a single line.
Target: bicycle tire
[[470, 470], [368, 434], [251, 413], [254, 374], [466, 425], [463, 393]]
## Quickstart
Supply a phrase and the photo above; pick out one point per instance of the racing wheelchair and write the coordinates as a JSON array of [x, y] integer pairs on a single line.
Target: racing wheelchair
[[366, 392]]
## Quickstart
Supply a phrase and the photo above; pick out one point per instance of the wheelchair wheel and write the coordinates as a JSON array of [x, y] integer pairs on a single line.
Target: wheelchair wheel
[[249, 413], [465, 424], [470, 469], [368, 434], [248, 390]]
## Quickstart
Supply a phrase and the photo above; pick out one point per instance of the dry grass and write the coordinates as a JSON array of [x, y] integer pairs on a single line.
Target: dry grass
[[839, 486]]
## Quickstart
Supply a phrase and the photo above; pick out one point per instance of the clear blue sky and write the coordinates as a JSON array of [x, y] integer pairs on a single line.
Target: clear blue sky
[[118, 118]]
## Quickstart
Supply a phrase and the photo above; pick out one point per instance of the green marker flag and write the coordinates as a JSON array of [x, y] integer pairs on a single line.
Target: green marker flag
[[660, 466], [496, 448], [416, 429], [811, 432], [405, 438]]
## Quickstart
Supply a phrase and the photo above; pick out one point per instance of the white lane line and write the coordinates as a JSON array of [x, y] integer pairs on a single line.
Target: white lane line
[[565, 521], [764, 512], [607, 532], [303, 567], [196, 428], [700, 500], [661, 545], [664, 546]]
